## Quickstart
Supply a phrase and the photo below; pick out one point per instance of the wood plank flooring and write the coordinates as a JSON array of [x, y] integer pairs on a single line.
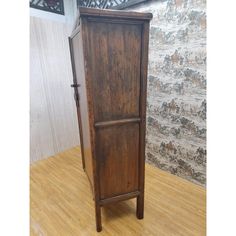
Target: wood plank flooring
[[61, 203]]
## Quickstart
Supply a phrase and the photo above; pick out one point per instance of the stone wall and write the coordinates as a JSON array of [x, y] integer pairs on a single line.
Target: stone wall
[[176, 110]]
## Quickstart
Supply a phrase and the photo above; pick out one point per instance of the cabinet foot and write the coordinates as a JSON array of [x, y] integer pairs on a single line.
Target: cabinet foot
[[98, 217], [140, 206]]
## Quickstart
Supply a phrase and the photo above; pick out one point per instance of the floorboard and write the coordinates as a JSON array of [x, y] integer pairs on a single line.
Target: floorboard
[[61, 203]]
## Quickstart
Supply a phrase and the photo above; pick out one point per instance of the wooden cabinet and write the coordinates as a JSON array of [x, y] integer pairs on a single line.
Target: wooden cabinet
[[109, 54]]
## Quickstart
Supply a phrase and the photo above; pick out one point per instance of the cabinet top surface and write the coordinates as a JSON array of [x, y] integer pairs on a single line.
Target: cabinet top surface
[[85, 11]]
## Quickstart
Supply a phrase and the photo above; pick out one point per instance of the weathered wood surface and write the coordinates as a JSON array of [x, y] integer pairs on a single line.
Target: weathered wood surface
[[112, 91]]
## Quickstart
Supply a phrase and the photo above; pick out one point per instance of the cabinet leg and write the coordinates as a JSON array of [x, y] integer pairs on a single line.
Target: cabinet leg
[[140, 206], [98, 217], [83, 162], [83, 166]]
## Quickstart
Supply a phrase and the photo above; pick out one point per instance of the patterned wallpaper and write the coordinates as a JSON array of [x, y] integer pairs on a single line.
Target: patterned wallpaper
[[176, 112]]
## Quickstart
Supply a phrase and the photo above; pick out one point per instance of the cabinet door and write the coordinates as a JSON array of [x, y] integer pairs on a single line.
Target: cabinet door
[[114, 57], [76, 47]]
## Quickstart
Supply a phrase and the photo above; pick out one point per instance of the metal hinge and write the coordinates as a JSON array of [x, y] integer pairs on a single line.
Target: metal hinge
[[76, 94], [75, 85]]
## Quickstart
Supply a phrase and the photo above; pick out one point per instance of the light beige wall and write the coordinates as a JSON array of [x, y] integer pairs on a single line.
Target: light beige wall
[[53, 120]]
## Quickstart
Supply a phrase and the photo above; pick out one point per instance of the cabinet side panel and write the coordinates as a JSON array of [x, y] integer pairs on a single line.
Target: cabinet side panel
[[118, 151], [113, 61], [83, 103]]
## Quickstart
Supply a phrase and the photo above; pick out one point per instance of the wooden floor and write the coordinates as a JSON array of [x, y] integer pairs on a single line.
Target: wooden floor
[[61, 203]]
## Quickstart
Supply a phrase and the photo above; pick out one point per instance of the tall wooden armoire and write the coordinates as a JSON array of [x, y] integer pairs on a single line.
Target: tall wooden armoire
[[109, 54]]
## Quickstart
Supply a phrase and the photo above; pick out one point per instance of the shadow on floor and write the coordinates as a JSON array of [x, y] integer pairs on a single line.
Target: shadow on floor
[[118, 210]]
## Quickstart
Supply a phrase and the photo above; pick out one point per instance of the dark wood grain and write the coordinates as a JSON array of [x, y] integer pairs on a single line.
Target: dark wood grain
[[118, 198], [117, 151], [116, 122], [115, 51], [85, 11], [110, 56], [143, 98], [95, 164]]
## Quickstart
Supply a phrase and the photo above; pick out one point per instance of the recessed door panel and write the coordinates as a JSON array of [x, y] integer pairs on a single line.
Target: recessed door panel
[[117, 149], [115, 69]]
